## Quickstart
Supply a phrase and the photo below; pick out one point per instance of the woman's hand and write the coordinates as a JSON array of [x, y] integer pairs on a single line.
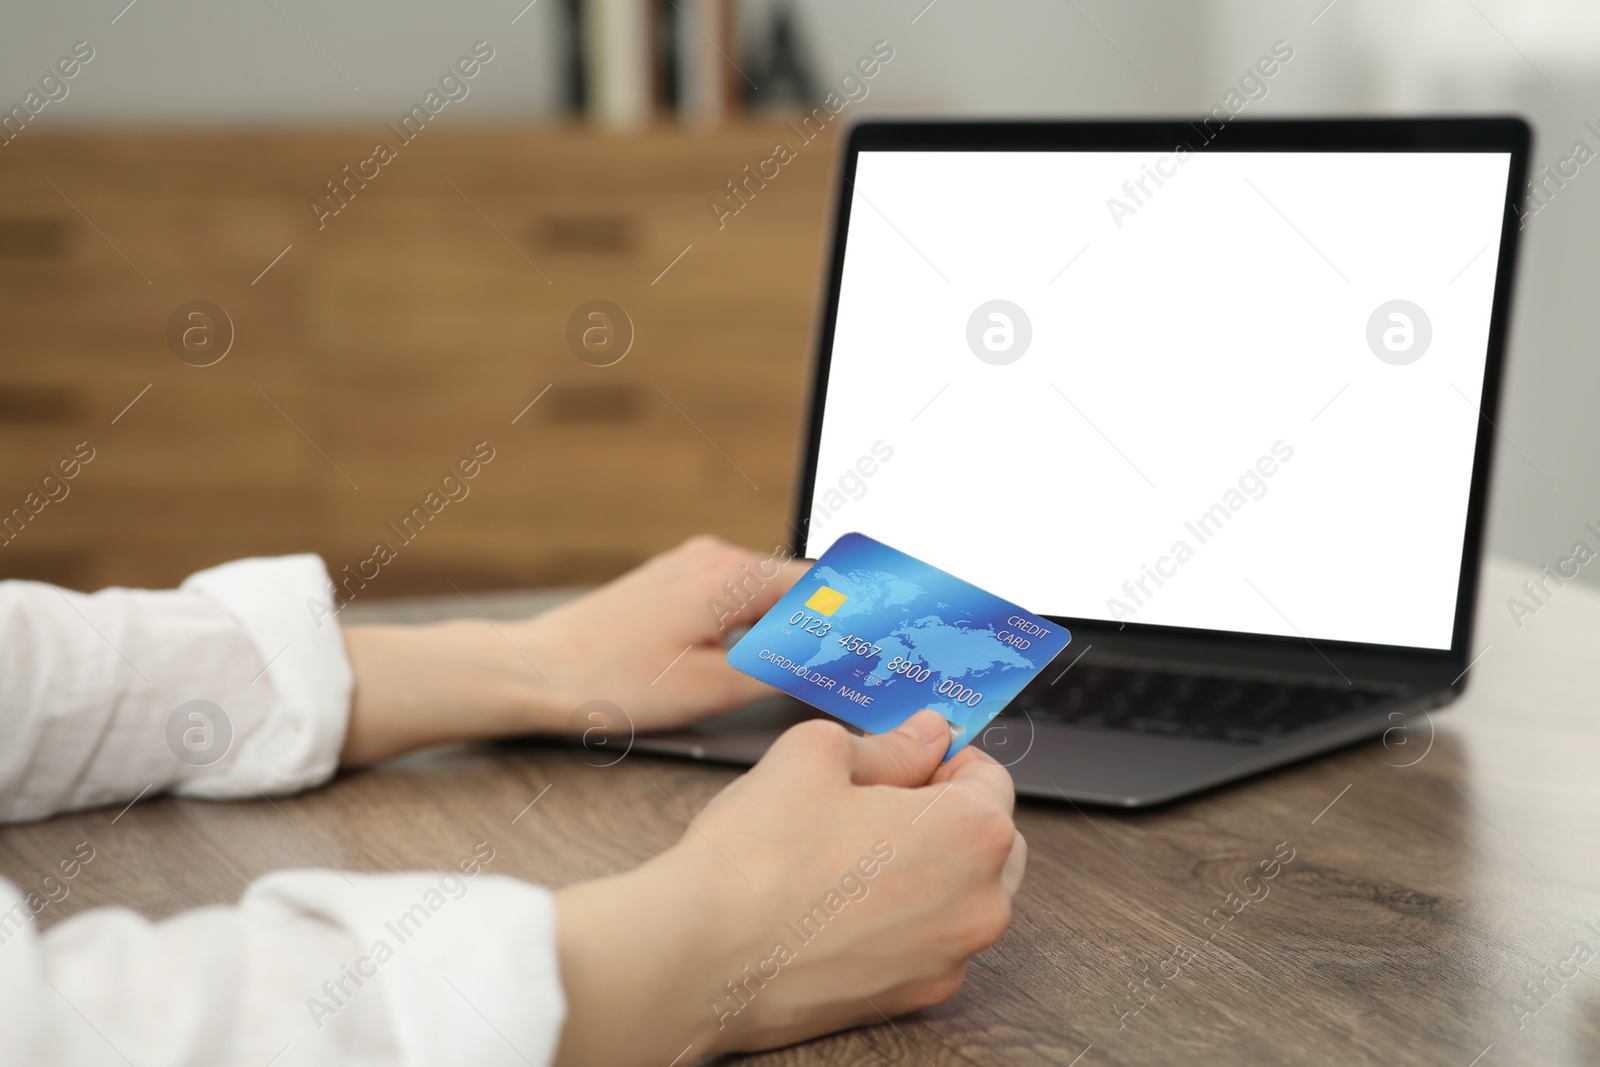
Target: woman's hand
[[842, 880], [652, 641], [649, 642]]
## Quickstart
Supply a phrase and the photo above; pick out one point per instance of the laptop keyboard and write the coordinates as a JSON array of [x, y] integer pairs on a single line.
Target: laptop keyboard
[[1206, 707]]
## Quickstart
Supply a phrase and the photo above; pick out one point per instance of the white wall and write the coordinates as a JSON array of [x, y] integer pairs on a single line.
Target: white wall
[[1021, 56], [193, 61]]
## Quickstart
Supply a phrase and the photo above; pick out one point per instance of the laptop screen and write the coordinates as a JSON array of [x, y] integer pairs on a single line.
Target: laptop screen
[[1229, 391]]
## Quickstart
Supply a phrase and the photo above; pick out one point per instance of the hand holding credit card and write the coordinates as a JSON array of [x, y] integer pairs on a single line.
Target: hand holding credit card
[[871, 635]]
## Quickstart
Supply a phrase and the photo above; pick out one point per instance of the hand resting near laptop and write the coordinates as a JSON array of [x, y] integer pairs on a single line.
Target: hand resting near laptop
[[840, 878]]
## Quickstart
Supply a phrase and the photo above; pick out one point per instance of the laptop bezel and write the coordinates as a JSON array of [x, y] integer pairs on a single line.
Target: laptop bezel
[[1420, 667]]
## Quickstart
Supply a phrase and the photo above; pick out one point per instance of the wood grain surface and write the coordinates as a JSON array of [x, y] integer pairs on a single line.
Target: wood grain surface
[[1440, 881]]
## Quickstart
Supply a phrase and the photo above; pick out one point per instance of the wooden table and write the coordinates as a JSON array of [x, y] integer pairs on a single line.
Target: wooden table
[[1437, 878]]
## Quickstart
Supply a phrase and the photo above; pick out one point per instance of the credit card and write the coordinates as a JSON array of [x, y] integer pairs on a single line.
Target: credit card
[[871, 635]]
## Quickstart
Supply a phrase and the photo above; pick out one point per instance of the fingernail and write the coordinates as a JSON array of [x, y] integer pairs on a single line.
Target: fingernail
[[927, 727], [979, 753]]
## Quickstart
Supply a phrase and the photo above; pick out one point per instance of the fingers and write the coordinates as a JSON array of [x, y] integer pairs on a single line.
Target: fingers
[[739, 585], [918, 993], [1015, 866], [789, 573], [905, 756], [759, 598], [976, 769], [714, 686]]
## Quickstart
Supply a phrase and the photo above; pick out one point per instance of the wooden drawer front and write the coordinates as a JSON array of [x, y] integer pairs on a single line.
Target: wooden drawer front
[[382, 346]]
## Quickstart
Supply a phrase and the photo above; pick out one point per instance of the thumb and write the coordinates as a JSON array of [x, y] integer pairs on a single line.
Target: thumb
[[906, 756]]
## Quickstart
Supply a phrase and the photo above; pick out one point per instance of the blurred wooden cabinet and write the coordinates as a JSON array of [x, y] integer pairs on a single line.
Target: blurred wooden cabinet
[[392, 338]]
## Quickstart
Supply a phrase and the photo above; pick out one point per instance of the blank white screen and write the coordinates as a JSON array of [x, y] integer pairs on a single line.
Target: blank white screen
[[1225, 314]]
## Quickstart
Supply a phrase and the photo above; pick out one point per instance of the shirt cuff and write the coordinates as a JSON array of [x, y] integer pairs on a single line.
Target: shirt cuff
[[304, 662], [468, 965]]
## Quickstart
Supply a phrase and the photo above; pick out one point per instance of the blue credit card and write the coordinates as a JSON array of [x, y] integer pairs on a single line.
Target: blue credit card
[[872, 636]]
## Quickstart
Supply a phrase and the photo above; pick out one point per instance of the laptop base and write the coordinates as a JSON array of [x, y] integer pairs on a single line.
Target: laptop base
[[1113, 768]]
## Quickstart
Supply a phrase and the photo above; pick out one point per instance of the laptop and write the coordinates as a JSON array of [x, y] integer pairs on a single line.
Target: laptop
[[1218, 398]]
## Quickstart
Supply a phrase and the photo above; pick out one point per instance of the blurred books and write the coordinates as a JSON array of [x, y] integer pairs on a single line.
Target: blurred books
[[699, 62]]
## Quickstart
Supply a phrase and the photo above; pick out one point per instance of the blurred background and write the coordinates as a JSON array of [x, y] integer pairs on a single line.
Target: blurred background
[[280, 266]]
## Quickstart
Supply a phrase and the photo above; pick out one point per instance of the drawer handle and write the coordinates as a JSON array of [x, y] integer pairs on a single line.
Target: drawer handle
[[593, 404], [65, 567], [33, 404], [24, 238], [608, 235]]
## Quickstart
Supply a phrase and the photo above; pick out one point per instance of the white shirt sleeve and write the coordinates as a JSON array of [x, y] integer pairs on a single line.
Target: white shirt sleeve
[[98, 706], [98, 692]]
